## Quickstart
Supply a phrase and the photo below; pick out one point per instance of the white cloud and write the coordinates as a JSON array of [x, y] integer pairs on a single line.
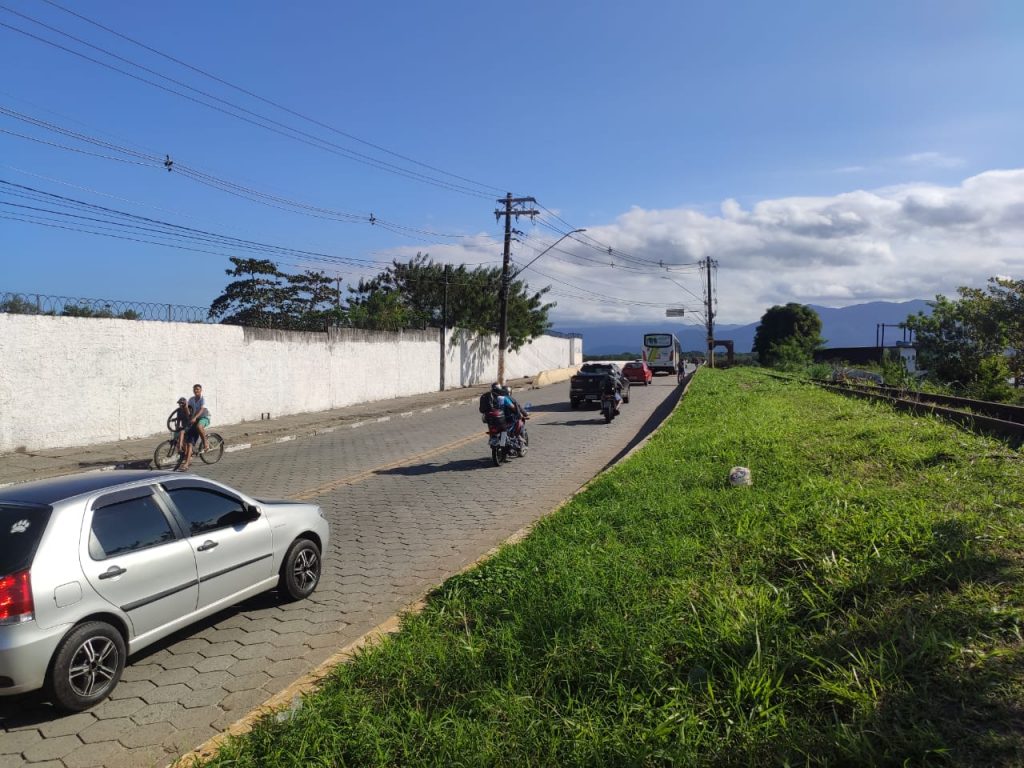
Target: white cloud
[[931, 160], [892, 244]]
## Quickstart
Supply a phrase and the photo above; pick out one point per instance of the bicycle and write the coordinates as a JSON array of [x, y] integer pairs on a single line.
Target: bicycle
[[167, 455]]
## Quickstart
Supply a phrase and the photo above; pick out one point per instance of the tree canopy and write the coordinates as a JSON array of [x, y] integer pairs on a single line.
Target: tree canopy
[[415, 294], [974, 341], [787, 334], [266, 297]]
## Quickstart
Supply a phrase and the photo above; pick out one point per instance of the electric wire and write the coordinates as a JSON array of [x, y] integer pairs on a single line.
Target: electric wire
[[267, 123], [224, 185], [266, 100]]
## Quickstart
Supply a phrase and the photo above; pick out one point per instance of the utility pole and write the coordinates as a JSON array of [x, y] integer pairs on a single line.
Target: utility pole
[[444, 324], [710, 313], [513, 207]]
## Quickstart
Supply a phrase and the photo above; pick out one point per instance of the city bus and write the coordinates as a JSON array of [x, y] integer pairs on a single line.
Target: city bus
[[663, 353]]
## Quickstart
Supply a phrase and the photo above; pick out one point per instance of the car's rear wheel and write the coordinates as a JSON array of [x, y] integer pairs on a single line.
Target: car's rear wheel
[[87, 666], [300, 572], [574, 403]]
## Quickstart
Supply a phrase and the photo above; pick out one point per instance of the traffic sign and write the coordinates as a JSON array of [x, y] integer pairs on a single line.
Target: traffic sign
[[674, 312]]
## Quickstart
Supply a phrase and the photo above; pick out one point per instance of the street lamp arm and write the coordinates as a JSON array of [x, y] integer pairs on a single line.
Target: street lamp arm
[[527, 265]]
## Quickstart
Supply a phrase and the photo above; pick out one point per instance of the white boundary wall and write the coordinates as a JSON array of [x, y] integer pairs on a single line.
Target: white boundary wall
[[68, 381]]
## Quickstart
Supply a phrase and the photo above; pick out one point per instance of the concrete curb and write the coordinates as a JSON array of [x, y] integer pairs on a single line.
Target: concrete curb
[[289, 700], [554, 376]]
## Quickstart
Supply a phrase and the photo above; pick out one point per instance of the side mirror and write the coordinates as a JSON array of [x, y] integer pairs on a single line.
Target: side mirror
[[252, 512]]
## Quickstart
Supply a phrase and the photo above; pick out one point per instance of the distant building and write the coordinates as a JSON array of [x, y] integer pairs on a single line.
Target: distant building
[[865, 355]]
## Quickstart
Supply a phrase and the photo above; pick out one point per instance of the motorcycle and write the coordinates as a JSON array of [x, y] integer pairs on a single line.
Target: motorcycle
[[608, 407], [506, 440]]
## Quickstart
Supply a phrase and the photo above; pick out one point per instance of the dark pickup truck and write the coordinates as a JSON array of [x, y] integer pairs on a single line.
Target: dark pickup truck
[[585, 386]]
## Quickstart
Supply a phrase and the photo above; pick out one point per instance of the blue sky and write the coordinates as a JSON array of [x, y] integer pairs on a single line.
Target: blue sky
[[827, 153]]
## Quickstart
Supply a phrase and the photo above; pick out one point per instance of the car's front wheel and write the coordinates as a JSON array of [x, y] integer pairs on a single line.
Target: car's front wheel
[[300, 572], [87, 666]]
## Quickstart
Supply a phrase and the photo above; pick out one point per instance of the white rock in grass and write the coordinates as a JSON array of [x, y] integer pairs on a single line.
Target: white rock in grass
[[740, 476]]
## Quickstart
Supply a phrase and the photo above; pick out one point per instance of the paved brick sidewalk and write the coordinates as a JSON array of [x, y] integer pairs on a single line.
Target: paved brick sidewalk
[[138, 453]]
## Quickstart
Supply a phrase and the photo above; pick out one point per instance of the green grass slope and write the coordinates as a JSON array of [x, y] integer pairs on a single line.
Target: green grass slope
[[859, 604]]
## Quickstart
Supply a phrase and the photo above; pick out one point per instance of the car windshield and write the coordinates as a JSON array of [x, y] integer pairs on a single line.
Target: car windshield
[[596, 368], [21, 528]]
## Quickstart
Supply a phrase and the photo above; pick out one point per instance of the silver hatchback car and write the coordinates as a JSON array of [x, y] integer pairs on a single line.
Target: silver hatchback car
[[97, 566]]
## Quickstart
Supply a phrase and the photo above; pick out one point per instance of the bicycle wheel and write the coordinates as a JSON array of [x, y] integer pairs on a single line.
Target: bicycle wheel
[[215, 450], [166, 455]]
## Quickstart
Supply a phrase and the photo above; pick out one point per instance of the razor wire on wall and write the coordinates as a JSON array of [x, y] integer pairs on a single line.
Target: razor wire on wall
[[70, 306]]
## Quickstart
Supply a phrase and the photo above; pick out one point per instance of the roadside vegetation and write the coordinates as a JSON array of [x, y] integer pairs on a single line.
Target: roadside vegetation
[[859, 604]]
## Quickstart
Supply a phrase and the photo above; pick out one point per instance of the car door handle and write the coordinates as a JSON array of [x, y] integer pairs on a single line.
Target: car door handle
[[112, 571], [206, 545]]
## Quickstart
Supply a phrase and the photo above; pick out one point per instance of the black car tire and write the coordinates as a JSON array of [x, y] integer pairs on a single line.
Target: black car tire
[[86, 667], [574, 403], [300, 572]]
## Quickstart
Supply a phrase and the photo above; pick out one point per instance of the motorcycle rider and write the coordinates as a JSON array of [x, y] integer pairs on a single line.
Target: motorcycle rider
[[613, 388], [513, 410]]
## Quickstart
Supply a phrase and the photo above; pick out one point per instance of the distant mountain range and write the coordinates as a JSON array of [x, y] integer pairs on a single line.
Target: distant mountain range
[[854, 326]]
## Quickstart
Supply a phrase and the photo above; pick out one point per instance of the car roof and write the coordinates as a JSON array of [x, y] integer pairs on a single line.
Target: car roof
[[56, 489]]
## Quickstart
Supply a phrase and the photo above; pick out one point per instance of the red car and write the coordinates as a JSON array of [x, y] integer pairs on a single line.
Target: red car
[[638, 372]]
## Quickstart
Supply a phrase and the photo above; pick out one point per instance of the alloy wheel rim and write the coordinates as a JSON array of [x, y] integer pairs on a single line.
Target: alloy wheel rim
[[93, 666], [307, 568]]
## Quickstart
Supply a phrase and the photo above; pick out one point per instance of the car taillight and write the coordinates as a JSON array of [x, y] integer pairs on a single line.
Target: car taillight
[[16, 598]]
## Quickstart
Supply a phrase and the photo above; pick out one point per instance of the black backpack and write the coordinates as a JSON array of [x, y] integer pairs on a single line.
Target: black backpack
[[488, 402]]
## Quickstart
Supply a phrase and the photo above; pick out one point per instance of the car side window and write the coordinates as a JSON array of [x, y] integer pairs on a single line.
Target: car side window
[[128, 526], [206, 510]]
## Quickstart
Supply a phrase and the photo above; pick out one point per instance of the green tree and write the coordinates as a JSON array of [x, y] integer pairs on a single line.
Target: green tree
[[16, 305], [85, 310], [413, 292], [787, 334], [379, 311], [960, 333], [254, 300], [266, 297], [1008, 298]]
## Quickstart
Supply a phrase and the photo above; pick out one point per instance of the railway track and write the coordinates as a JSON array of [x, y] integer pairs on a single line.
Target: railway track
[[983, 416]]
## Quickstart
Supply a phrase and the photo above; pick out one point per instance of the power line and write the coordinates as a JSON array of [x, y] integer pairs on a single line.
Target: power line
[[168, 228], [607, 248], [268, 101], [207, 179], [267, 123]]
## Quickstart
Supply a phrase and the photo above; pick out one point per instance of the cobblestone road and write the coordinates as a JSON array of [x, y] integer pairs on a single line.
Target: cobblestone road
[[411, 499]]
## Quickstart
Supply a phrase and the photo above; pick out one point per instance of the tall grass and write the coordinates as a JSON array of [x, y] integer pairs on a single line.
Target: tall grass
[[860, 604]]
